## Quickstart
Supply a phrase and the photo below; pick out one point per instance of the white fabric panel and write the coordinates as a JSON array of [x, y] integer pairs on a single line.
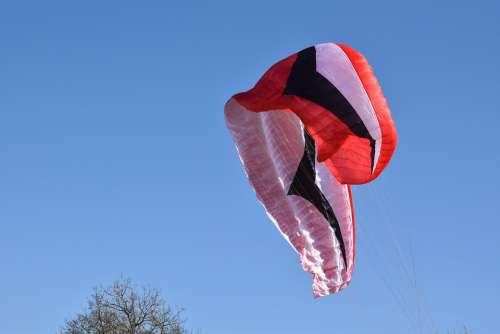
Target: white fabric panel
[[271, 145], [338, 196], [334, 65]]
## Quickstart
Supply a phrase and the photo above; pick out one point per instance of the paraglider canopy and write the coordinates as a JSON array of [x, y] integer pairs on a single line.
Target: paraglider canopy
[[315, 123]]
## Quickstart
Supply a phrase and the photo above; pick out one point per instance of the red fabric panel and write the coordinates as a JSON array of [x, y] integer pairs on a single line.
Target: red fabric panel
[[349, 155], [379, 103]]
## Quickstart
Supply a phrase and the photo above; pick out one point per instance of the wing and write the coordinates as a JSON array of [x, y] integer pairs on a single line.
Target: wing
[[313, 124], [309, 206]]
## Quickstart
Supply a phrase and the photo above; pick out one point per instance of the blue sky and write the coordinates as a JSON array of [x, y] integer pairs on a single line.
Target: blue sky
[[115, 159]]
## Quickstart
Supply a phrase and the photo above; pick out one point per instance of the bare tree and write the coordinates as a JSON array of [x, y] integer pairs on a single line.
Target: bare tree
[[124, 309]]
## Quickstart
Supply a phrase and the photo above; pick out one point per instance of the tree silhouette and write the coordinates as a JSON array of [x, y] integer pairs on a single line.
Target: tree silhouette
[[124, 309]]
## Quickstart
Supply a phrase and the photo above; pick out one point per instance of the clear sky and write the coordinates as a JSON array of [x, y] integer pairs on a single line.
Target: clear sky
[[115, 159]]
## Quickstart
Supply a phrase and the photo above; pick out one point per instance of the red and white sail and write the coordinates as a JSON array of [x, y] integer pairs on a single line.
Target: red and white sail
[[314, 123]]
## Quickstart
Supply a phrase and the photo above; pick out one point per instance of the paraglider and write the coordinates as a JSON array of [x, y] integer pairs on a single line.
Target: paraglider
[[315, 123]]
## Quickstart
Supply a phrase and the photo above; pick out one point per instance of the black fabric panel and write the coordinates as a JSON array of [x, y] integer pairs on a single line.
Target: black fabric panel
[[305, 82], [304, 185]]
